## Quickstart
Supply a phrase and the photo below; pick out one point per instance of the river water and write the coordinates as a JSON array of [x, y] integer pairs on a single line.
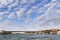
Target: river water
[[30, 37]]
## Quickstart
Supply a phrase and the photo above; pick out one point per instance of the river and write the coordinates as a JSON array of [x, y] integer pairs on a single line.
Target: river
[[30, 37]]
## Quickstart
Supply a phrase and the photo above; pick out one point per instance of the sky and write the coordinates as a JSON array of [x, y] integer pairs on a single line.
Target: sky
[[29, 15]]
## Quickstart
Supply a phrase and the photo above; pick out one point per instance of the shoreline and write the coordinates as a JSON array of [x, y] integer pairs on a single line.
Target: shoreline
[[50, 31]]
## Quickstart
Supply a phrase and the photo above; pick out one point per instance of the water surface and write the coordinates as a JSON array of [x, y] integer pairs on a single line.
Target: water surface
[[30, 37]]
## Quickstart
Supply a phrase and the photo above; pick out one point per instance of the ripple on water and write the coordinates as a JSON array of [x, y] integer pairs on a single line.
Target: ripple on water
[[25, 37]]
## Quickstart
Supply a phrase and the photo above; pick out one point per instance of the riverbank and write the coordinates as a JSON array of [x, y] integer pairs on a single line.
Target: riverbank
[[48, 31]]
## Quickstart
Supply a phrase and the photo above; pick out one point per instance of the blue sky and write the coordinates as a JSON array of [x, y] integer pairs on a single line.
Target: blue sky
[[29, 14]]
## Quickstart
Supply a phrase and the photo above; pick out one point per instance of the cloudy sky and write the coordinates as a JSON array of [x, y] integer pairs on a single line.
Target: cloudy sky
[[29, 14]]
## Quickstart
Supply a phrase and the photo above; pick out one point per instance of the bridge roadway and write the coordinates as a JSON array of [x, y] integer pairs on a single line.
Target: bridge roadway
[[21, 31], [34, 31]]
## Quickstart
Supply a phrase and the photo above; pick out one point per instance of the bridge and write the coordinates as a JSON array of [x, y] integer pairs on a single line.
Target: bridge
[[19, 32]]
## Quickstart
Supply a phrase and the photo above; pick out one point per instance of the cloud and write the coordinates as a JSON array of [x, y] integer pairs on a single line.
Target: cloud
[[1, 15], [3, 2], [9, 25], [50, 19], [50, 14], [20, 13], [11, 16], [30, 16]]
